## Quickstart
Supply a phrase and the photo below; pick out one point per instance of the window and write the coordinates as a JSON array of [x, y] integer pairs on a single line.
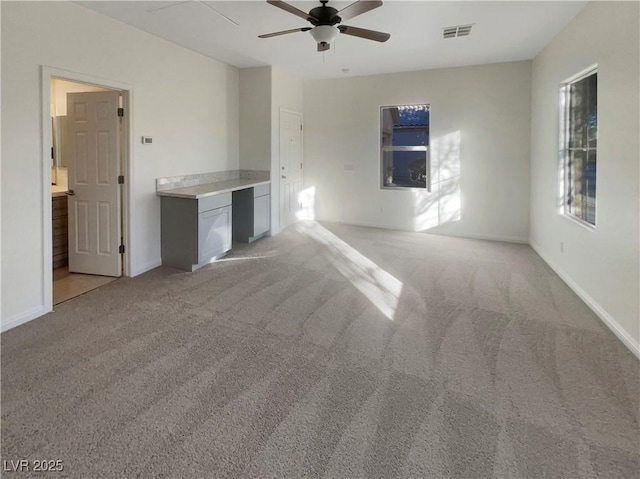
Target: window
[[404, 146], [579, 141]]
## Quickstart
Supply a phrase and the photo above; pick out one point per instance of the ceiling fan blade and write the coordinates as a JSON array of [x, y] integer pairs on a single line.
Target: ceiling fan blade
[[284, 32], [358, 8], [364, 33], [291, 9], [323, 46]]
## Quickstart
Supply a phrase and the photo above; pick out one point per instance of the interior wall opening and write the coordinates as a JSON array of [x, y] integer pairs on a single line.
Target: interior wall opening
[[87, 160]]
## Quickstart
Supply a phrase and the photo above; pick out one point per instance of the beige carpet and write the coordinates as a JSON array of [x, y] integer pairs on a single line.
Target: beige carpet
[[327, 351]]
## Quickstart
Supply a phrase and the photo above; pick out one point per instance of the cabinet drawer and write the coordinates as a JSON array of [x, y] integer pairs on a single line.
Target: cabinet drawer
[[216, 201], [261, 190]]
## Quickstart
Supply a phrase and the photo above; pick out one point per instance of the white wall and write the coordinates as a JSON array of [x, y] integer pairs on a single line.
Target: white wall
[[187, 102], [1, 221], [263, 92], [255, 118], [602, 265], [479, 150], [286, 93]]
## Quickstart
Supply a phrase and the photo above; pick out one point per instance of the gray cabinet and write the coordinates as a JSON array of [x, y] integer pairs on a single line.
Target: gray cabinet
[[195, 231], [251, 213]]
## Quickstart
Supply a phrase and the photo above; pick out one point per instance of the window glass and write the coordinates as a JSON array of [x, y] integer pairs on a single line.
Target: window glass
[[404, 140], [580, 124]]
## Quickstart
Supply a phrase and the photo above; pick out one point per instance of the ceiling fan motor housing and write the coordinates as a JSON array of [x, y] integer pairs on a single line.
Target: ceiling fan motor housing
[[324, 16]]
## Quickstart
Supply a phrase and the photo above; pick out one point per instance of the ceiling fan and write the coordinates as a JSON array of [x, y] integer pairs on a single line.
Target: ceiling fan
[[325, 22]]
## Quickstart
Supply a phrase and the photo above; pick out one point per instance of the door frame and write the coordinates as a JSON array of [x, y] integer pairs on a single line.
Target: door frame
[[46, 75], [278, 167]]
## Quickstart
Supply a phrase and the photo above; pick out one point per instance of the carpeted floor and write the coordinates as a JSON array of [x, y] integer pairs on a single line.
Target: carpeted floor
[[327, 351]]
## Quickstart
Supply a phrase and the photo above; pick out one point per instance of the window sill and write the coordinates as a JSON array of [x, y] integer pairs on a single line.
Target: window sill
[[406, 188], [579, 222]]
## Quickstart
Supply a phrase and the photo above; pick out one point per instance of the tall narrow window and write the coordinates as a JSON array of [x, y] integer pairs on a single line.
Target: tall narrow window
[[404, 146], [580, 142]]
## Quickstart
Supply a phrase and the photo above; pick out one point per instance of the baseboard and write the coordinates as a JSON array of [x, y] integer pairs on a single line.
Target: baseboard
[[606, 318], [146, 267], [505, 239], [365, 224], [23, 318]]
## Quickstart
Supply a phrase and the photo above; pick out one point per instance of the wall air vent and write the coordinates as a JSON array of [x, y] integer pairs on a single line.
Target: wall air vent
[[459, 31]]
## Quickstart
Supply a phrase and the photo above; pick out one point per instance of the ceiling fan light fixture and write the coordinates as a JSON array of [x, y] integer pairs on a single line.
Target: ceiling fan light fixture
[[324, 33]]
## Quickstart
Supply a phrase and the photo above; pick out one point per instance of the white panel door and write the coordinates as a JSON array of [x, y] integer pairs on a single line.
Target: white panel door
[[290, 166], [94, 208]]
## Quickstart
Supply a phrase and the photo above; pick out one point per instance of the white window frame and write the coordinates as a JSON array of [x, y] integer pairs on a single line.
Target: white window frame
[[387, 148], [566, 185]]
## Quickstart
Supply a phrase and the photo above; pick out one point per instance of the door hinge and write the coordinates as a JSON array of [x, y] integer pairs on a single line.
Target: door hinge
[[300, 127], [53, 157], [121, 180], [120, 111], [121, 249]]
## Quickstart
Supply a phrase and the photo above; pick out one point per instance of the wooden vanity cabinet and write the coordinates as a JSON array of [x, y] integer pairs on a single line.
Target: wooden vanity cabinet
[[59, 229]]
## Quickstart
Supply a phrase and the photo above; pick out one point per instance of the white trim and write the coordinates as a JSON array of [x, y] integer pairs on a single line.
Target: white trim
[[127, 192], [427, 187], [23, 318], [580, 75], [47, 225], [564, 171], [580, 222], [46, 74], [503, 239], [606, 318], [146, 267]]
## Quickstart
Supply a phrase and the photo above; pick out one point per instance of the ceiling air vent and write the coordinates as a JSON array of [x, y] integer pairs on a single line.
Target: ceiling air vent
[[459, 31]]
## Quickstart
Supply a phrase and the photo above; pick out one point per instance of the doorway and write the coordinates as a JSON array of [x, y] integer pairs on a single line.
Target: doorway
[[86, 161], [86, 136], [290, 166]]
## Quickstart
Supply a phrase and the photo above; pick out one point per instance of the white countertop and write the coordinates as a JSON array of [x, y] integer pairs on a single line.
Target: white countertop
[[210, 189], [57, 190]]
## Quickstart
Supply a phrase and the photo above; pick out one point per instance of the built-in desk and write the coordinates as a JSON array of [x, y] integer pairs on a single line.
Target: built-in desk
[[199, 223]]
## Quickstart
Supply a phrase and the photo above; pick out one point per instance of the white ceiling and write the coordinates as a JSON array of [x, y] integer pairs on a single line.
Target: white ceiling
[[502, 32]]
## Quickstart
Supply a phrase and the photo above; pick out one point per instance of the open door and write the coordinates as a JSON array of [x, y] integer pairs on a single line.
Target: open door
[[93, 144], [290, 166]]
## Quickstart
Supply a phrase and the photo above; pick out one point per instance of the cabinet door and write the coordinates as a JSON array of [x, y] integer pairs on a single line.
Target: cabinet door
[[261, 214], [214, 233]]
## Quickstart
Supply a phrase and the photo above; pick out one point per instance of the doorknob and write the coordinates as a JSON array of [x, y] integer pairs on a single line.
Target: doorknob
[[70, 193]]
